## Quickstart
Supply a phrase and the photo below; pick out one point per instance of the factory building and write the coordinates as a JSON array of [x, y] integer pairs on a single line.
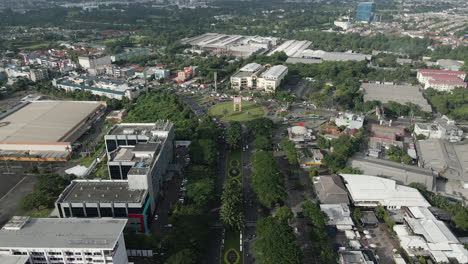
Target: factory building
[[55, 240], [46, 130]]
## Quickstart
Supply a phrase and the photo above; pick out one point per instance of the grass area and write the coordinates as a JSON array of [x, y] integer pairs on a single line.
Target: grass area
[[39, 213], [207, 100], [231, 242], [235, 161], [35, 46], [249, 111], [86, 161]]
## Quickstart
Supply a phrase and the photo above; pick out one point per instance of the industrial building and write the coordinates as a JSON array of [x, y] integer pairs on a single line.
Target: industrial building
[[441, 80], [397, 93], [254, 76], [46, 130], [401, 173], [110, 88], [365, 12], [139, 155], [308, 56], [56, 240], [372, 191]]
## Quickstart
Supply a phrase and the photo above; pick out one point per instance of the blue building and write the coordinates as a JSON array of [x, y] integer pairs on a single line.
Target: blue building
[[364, 12]]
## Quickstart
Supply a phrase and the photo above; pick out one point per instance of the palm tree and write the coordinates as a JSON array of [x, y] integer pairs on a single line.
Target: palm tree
[[231, 208]]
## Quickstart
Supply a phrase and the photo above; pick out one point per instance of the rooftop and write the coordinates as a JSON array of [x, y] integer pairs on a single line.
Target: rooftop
[[45, 121], [144, 129], [251, 67], [331, 190], [106, 191], [16, 259], [64, 233], [274, 72]]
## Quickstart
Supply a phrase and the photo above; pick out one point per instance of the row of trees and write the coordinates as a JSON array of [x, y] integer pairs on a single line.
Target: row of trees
[[234, 135], [232, 205], [453, 104], [267, 180], [291, 152]]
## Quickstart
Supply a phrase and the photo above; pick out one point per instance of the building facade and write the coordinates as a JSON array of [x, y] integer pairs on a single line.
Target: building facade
[[365, 12], [254, 76], [94, 61]]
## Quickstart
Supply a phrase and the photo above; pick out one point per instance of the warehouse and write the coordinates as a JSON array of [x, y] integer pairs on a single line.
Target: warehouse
[[46, 130]]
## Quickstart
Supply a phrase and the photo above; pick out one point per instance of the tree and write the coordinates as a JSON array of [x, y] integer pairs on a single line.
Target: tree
[[323, 143], [184, 256], [312, 210], [267, 181], [234, 135], [461, 219], [261, 142], [231, 207], [261, 126], [276, 243], [291, 152], [201, 191], [284, 214], [203, 151]]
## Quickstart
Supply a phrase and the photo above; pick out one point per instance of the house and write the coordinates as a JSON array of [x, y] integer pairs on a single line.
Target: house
[[442, 128], [331, 190]]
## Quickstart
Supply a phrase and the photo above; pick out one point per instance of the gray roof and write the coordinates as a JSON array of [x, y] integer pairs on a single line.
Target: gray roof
[[16, 259], [368, 217], [274, 72], [396, 93], [64, 233], [108, 191], [449, 159], [251, 67], [46, 121], [331, 190]]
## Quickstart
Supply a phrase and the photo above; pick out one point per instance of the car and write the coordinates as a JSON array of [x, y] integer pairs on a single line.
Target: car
[[156, 217], [168, 226], [181, 200]]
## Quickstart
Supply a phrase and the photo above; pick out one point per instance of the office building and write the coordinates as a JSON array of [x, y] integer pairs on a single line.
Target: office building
[[441, 80], [56, 240], [365, 12], [39, 74], [46, 130], [254, 76]]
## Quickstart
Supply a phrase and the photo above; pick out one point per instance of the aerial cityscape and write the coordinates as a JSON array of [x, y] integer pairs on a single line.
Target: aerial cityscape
[[234, 132]]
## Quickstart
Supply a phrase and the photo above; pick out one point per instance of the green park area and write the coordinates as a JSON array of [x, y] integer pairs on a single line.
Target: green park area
[[225, 111]]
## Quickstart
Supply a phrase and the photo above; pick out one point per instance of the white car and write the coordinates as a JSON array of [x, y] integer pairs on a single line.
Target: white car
[[156, 217]]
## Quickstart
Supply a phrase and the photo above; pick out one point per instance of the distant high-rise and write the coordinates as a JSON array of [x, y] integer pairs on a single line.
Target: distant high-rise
[[364, 12]]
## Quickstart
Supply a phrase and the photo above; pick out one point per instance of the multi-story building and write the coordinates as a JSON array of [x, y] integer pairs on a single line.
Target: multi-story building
[[39, 74], [56, 240], [94, 61], [130, 53], [442, 128], [139, 155], [254, 76], [364, 12], [441, 80]]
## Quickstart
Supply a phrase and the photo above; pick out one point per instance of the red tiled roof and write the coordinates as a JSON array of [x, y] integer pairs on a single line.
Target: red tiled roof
[[440, 71]]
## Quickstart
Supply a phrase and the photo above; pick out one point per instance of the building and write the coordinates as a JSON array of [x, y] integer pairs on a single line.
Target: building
[[450, 160], [401, 173], [300, 134], [339, 216], [39, 74], [308, 56], [94, 61], [158, 73], [364, 256], [130, 53], [422, 234], [46, 130], [384, 137], [254, 76], [442, 128], [350, 121], [345, 25], [441, 80], [402, 94], [14, 259], [331, 190], [110, 88], [187, 74], [450, 65], [365, 12], [139, 155], [56, 240], [117, 115], [372, 191]]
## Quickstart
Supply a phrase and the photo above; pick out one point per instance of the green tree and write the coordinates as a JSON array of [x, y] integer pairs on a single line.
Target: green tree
[[261, 142], [203, 151], [234, 135], [185, 256], [284, 214], [231, 207], [267, 181], [201, 191], [291, 152], [276, 243], [461, 219], [261, 127]]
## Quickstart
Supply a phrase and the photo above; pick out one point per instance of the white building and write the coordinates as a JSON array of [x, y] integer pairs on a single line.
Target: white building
[[254, 76], [300, 134], [441, 80], [345, 25], [39, 74], [442, 128], [424, 235], [350, 121], [339, 215], [72, 240], [94, 61], [372, 191]]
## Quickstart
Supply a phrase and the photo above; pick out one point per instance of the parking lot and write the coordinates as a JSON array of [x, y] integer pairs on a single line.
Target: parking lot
[[12, 189]]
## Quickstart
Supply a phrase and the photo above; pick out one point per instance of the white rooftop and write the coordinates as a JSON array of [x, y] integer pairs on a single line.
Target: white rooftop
[[63, 233], [373, 191], [338, 214], [251, 67], [274, 72]]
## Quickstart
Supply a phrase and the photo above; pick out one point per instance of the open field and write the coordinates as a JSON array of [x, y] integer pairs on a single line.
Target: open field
[[225, 111]]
